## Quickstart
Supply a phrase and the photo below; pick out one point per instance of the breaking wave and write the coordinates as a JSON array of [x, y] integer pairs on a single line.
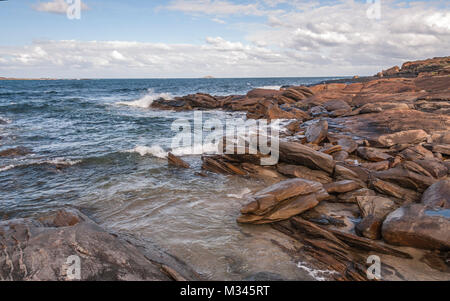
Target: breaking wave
[[146, 100]]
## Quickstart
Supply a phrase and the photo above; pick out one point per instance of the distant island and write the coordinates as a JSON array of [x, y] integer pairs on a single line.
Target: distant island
[[208, 76]]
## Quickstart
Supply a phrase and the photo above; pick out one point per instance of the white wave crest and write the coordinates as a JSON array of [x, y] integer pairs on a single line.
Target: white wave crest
[[270, 87], [145, 101], [155, 150], [159, 152], [5, 168], [56, 162]]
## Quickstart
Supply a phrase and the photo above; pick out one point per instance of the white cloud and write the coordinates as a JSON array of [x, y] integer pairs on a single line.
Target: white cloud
[[306, 38], [215, 7], [56, 6]]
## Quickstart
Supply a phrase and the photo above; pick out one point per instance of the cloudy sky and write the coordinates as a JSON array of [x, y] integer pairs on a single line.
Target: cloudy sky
[[222, 38]]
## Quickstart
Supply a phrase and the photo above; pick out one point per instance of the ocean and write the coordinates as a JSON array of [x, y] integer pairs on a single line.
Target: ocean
[[97, 146]]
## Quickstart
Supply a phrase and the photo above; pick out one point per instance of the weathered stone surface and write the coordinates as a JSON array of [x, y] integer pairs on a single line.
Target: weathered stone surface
[[266, 199], [340, 156], [379, 207], [396, 191], [405, 178], [317, 132], [438, 195], [176, 161], [220, 165], [351, 197], [435, 167], [349, 145], [403, 137], [303, 172], [282, 201], [382, 106], [416, 152], [296, 153], [342, 186], [377, 166], [263, 93], [369, 227], [419, 226], [39, 250], [442, 148], [373, 154]]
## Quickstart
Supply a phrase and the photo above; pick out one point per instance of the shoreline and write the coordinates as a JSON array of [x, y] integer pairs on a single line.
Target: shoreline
[[335, 211]]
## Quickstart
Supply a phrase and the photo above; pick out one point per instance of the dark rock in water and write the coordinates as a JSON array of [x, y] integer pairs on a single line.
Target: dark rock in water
[[176, 161], [419, 226], [438, 195], [15, 152], [41, 250], [264, 276]]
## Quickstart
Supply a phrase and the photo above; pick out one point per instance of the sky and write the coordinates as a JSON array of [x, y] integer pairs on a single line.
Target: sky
[[220, 38]]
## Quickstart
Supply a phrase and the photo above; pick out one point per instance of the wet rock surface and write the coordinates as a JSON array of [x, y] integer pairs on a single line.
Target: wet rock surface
[[40, 249]]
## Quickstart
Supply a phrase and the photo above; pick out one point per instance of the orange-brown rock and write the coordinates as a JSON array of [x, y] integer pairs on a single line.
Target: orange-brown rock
[[282, 201]]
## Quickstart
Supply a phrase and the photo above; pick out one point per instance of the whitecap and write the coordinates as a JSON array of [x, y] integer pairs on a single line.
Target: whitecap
[[5, 168], [270, 87], [155, 150], [145, 101]]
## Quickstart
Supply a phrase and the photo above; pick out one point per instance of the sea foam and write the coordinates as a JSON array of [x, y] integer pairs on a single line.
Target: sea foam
[[146, 100]]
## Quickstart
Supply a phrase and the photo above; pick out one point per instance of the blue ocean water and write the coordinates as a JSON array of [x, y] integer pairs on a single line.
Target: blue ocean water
[[89, 145]]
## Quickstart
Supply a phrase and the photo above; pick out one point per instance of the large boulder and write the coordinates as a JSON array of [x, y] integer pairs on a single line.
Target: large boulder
[[40, 249], [438, 195], [419, 226]]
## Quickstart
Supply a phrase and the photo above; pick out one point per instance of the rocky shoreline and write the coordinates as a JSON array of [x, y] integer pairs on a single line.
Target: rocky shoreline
[[364, 170]]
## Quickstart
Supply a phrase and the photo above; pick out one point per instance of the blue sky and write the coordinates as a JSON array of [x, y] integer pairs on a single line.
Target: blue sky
[[226, 38]]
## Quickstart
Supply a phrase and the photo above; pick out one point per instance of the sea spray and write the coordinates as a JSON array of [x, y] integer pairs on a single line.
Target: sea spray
[[145, 101]]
